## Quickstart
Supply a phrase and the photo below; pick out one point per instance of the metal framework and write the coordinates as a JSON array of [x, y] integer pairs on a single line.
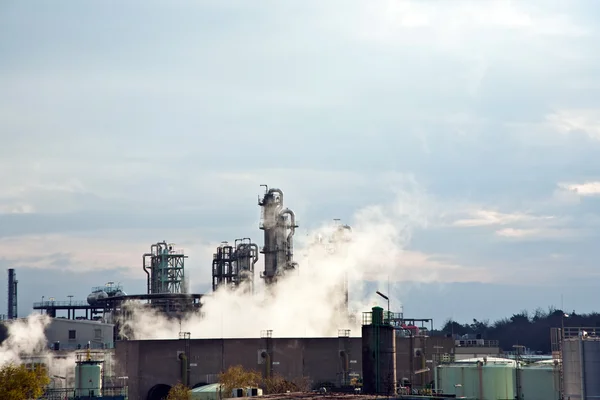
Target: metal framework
[[556, 341], [345, 355], [233, 266], [341, 236], [165, 269], [279, 226]]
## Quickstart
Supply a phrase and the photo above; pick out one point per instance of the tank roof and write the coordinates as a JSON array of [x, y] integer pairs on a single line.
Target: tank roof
[[213, 387], [494, 361]]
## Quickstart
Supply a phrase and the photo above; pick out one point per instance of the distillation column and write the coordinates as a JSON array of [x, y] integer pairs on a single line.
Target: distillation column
[[165, 269], [233, 266], [246, 255], [279, 225], [339, 241]]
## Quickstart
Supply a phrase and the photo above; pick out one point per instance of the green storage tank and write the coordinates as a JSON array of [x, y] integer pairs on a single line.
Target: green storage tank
[[88, 378], [540, 381], [377, 313], [485, 378]]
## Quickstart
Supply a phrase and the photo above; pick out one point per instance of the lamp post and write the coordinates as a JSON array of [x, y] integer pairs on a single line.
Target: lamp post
[[70, 298], [562, 324], [42, 310], [388, 302]]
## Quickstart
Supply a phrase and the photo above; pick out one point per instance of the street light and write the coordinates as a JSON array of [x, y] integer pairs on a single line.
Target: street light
[[562, 324], [388, 301], [70, 298]]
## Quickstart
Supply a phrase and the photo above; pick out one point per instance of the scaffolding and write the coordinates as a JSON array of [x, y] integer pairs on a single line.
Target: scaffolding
[[233, 266], [165, 269]]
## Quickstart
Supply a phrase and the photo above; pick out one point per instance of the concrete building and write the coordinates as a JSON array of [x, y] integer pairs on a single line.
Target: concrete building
[[73, 334], [156, 364], [476, 347]]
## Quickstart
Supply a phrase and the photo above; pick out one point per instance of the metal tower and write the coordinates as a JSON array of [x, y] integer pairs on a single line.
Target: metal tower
[[279, 225], [12, 294], [165, 269], [233, 266]]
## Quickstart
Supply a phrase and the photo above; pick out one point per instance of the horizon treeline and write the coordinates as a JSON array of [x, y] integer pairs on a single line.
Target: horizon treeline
[[529, 329]]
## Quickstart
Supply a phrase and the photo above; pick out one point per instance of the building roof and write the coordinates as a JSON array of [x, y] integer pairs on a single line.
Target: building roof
[[213, 387]]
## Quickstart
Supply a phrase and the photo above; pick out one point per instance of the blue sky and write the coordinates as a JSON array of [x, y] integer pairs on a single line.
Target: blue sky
[[124, 124]]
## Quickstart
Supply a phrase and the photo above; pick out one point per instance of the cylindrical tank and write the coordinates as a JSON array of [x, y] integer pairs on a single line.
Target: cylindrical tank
[[379, 356], [483, 378], [540, 381], [95, 297], [88, 378], [377, 315], [581, 367]]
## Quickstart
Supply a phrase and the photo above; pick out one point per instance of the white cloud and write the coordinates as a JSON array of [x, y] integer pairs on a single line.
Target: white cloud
[[572, 121], [491, 217], [454, 18], [537, 233], [582, 189], [102, 250]]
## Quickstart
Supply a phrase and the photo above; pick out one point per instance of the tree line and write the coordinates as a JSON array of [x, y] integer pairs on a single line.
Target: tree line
[[531, 330]]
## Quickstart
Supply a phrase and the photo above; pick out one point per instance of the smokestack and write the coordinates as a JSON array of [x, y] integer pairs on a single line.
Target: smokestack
[[12, 294]]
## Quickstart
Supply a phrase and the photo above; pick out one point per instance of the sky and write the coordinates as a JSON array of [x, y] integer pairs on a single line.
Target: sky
[[128, 123]]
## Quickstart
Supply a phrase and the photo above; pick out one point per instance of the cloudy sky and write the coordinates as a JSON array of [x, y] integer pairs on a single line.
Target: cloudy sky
[[126, 123]]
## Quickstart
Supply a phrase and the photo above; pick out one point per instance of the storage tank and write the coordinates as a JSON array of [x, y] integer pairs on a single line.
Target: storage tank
[[378, 354], [207, 392], [95, 297], [484, 378], [540, 380], [581, 367], [88, 378]]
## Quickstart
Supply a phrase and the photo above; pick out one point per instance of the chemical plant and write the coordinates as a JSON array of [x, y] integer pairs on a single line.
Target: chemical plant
[[391, 355]]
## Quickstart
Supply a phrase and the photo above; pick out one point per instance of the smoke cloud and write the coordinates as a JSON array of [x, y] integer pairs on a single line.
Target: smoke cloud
[[25, 337], [26, 342], [306, 302]]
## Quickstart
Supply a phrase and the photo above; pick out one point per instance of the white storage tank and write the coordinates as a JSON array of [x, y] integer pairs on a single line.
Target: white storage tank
[[96, 296]]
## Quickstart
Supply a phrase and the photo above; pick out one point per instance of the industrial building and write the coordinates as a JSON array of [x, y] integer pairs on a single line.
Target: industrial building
[[69, 334], [581, 363], [153, 366], [392, 355]]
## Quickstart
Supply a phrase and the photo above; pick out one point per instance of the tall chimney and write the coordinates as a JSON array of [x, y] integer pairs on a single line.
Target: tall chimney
[[12, 294]]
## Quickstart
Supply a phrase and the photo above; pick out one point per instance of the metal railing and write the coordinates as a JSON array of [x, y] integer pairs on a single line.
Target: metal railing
[[83, 346], [50, 304], [477, 343], [389, 318], [591, 333]]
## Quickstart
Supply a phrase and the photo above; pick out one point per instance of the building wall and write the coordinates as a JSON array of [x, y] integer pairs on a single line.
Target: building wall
[[147, 363], [62, 330], [427, 352], [466, 352], [581, 368], [151, 362]]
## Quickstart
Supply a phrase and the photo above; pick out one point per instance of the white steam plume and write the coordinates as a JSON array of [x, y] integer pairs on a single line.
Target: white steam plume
[[26, 342], [304, 304], [25, 337]]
